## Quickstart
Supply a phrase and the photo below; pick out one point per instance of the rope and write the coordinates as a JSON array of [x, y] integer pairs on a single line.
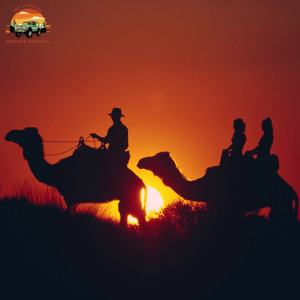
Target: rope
[[60, 152], [67, 142], [64, 142]]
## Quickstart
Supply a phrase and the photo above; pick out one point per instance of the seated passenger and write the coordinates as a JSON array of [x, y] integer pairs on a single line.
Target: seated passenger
[[237, 144], [263, 150], [264, 145], [238, 140]]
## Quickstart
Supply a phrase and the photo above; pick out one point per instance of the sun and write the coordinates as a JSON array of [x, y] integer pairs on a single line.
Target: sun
[[154, 202]]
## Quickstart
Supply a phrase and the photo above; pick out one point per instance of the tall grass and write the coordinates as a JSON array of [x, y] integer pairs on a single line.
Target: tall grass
[[36, 193], [41, 194]]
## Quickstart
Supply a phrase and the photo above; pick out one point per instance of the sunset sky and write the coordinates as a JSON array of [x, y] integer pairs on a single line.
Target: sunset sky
[[28, 15], [181, 71]]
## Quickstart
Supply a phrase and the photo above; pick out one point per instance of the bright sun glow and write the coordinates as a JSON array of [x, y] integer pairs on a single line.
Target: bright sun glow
[[154, 202]]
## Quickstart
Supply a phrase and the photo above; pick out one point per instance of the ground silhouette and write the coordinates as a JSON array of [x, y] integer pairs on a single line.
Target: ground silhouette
[[187, 252], [230, 189], [83, 177]]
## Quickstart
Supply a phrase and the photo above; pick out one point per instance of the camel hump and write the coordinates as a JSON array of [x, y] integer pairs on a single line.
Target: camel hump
[[267, 165], [101, 157], [247, 162], [84, 150]]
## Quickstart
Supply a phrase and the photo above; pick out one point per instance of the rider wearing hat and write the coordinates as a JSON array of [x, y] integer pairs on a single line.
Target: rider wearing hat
[[117, 135]]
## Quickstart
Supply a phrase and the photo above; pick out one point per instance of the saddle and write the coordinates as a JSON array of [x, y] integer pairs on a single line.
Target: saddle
[[247, 161], [100, 156]]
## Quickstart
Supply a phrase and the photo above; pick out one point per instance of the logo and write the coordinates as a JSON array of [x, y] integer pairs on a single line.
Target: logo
[[28, 22]]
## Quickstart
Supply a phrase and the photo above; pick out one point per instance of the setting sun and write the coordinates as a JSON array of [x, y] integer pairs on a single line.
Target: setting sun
[[154, 202]]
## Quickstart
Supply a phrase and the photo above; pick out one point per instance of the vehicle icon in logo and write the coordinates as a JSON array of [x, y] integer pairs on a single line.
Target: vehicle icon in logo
[[28, 28], [28, 22]]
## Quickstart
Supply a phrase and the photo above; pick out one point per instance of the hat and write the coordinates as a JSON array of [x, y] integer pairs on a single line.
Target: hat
[[116, 112]]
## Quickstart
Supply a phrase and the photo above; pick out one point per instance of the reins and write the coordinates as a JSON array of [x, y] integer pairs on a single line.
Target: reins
[[81, 140]]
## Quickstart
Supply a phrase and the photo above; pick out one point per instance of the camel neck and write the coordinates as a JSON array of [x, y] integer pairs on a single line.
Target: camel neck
[[177, 182], [41, 169]]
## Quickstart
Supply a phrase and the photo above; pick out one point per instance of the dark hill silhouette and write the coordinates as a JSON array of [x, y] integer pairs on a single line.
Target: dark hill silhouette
[[230, 189], [82, 177]]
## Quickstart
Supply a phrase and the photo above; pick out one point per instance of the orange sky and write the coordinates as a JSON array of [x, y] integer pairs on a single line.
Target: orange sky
[[27, 14], [181, 71]]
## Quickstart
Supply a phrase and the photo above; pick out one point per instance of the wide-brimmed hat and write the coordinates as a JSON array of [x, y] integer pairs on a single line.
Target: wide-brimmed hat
[[116, 112]]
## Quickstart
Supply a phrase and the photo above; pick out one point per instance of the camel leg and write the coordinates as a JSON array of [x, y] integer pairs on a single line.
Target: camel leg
[[124, 220], [141, 216], [70, 210], [142, 221], [123, 215]]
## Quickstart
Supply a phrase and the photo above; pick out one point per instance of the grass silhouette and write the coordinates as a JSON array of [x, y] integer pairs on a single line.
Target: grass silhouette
[[190, 252]]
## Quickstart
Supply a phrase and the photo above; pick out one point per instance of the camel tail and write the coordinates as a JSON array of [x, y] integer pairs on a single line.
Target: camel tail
[[296, 207]]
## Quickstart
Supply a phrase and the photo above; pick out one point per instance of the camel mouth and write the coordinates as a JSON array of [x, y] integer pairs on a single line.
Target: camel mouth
[[141, 164], [145, 164], [12, 136], [8, 137]]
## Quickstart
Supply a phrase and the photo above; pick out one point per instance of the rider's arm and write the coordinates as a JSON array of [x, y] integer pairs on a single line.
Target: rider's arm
[[101, 139], [229, 148], [254, 151]]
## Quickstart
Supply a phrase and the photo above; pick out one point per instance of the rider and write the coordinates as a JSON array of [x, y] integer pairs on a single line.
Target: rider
[[265, 161], [264, 146], [235, 150], [238, 140], [117, 137]]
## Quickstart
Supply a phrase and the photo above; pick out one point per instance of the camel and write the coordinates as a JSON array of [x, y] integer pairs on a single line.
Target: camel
[[83, 177], [243, 193]]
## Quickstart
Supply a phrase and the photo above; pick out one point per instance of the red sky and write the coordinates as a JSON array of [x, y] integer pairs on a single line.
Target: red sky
[[181, 71]]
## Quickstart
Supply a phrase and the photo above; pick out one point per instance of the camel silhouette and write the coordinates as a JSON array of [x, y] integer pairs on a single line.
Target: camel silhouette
[[83, 177], [239, 193]]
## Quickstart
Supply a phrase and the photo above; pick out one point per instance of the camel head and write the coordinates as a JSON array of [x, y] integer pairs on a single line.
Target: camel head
[[160, 164], [28, 139]]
